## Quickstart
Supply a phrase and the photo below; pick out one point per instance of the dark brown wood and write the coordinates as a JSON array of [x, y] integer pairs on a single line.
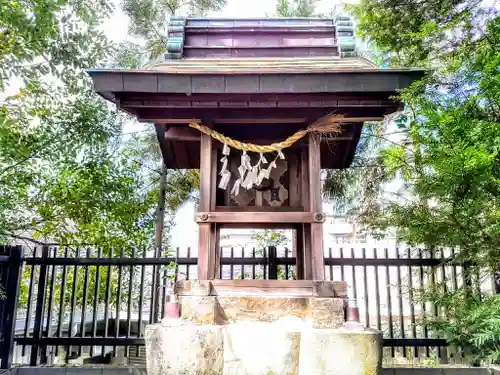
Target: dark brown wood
[[199, 80], [332, 153], [294, 243], [237, 92], [299, 253], [351, 147], [304, 179], [274, 226], [181, 154], [308, 266], [248, 121], [206, 169], [318, 100], [160, 136], [257, 217], [215, 228], [269, 115], [315, 205], [295, 288], [314, 172], [207, 241], [293, 180], [213, 176], [303, 243], [258, 209], [317, 256], [182, 133]]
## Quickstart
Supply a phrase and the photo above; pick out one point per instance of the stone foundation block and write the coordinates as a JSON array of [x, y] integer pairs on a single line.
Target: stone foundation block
[[184, 349], [257, 348], [326, 312], [198, 309], [322, 312], [340, 352]]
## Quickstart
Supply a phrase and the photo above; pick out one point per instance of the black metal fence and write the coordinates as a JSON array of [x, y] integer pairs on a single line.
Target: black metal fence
[[70, 304]]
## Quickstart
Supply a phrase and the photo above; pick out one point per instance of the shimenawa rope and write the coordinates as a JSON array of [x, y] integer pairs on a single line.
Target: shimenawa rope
[[326, 124]]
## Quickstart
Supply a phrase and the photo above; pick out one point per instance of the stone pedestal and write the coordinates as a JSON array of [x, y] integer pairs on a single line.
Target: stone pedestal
[[241, 327], [340, 352], [184, 349], [286, 347], [223, 301], [256, 348], [321, 312]]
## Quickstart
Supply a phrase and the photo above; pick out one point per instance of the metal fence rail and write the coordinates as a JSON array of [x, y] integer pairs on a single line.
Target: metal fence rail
[[91, 303]]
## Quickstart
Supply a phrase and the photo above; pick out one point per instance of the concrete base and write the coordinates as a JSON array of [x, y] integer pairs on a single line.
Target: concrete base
[[288, 346]]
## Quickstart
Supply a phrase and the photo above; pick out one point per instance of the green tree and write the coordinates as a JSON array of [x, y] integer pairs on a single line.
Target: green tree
[[59, 175], [447, 155], [69, 175], [296, 8], [149, 21]]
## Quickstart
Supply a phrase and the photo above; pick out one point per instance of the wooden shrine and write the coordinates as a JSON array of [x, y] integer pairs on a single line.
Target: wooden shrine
[[227, 96]]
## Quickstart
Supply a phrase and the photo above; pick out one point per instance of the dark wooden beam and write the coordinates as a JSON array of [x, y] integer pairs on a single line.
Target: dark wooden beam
[[160, 115], [187, 134], [249, 121], [160, 135], [351, 152], [320, 100], [183, 133], [303, 81], [181, 154], [257, 217]]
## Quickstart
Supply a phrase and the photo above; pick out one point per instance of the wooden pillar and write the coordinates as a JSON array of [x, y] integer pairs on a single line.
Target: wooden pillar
[[299, 252], [315, 230], [215, 228], [303, 263], [207, 231]]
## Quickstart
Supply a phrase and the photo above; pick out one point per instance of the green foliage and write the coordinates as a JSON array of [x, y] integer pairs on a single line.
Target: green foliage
[[68, 173], [295, 8], [268, 237], [447, 152], [38, 37], [366, 174], [475, 324], [148, 19], [418, 33]]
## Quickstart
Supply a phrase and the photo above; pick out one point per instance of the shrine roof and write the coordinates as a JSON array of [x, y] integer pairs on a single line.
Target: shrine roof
[[190, 38], [258, 55], [256, 80], [263, 65]]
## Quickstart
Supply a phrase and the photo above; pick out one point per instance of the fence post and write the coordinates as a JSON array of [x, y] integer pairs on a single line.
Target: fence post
[[272, 263], [40, 307], [10, 307]]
